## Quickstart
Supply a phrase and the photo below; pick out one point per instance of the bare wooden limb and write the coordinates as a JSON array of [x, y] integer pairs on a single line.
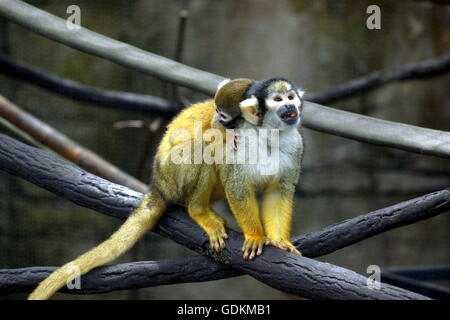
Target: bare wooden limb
[[79, 92], [353, 230], [414, 71], [316, 117], [121, 53], [181, 40], [314, 244], [123, 276], [66, 147], [282, 270], [376, 131]]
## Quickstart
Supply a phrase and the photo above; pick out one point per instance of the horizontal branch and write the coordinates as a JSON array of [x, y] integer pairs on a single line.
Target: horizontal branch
[[282, 270], [142, 274], [414, 71], [155, 105], [431, 290], [316, 117], [79, 92], [376, 131]]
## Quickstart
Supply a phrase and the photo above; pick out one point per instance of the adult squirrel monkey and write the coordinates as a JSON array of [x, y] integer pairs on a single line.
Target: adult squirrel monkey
[[273, 104]]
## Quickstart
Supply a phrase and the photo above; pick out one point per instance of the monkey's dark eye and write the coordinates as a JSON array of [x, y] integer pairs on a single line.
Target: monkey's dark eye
[[277, 99], [291, 97]]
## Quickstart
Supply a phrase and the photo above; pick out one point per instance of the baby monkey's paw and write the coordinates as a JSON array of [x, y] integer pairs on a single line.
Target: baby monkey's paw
[[253, 246], [283, 245]]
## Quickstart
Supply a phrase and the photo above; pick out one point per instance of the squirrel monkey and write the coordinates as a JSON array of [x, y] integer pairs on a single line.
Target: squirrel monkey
[[273, 104]]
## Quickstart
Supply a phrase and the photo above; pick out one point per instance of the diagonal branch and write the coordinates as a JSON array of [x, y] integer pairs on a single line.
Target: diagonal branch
[[315, 116], [65, 146], [282, 270]]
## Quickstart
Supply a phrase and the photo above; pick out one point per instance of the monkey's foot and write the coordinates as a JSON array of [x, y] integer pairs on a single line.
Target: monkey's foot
[[283, 245], [214, 226], [253, 246], [217, 238]]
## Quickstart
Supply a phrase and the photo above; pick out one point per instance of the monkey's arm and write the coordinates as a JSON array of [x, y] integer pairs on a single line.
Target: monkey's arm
[[244, 205], [276, 212]]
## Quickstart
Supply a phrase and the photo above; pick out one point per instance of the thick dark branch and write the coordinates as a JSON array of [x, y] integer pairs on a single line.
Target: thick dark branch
[[414, 71], [316, 117], [123, 276], [350, 231], [77, 91], [282, 270], [333, 237]]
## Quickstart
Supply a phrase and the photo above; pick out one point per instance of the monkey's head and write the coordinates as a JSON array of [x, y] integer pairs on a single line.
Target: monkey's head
[[227, 99], [273, 103]]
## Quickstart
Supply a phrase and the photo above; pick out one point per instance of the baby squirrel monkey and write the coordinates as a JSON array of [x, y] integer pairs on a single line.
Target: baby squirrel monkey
[[229, 95], [273, 104]]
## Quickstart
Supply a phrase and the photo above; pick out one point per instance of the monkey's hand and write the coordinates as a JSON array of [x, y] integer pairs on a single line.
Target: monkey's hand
[[253, 246], [283, 245]]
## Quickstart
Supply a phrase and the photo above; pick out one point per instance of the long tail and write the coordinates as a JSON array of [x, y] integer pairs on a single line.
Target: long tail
[[144, 218]]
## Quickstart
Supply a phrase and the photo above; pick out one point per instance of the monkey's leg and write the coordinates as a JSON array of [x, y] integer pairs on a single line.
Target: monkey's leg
[[276, 210], [200, 210], [245, 208]]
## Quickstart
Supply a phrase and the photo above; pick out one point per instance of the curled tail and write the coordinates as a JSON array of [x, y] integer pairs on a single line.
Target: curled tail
[[144, 218]]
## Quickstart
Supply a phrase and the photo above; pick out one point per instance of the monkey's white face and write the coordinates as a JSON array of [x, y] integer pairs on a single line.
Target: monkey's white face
[[283, 109], [282, 105]]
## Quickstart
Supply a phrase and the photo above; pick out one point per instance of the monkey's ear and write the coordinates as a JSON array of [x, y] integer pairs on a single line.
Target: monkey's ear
[[300, 93], [222, 83], [250, 110]]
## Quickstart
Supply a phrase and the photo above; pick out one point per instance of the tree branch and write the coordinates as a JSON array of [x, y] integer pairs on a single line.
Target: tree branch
[[155, 105], [316, 117], [65, 146], [414, 71], [282, 270], [79, 92], [353, 230], [123, 276]]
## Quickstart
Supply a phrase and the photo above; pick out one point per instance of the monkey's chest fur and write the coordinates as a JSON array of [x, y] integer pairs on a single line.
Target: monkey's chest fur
[[271, 159]]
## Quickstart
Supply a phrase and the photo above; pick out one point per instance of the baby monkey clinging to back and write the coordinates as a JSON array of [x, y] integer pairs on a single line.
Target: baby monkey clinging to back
[[273, 104]]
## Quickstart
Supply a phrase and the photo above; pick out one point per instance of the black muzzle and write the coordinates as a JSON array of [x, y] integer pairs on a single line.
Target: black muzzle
[[288, 113]]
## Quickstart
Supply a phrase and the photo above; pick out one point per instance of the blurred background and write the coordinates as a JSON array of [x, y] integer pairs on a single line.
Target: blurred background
[[317, 44]]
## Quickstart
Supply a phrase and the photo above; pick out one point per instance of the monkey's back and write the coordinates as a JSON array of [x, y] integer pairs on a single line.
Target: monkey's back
[[177, 181]]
